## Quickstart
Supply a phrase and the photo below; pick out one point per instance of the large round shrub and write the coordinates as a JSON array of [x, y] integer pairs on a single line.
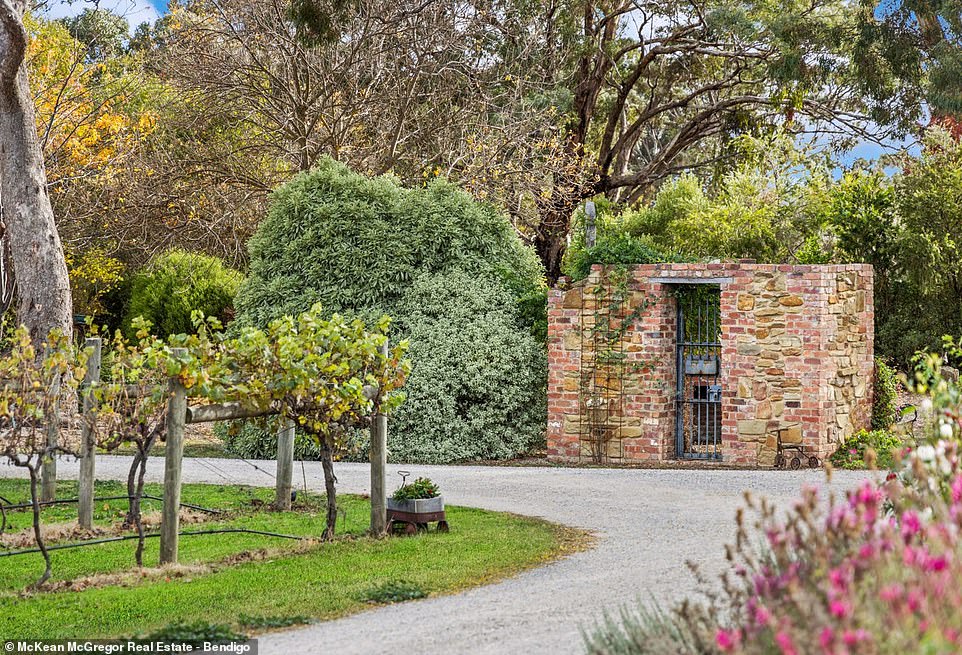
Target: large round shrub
[[453, 275], [177, 283], [355, 244], [477, 383]]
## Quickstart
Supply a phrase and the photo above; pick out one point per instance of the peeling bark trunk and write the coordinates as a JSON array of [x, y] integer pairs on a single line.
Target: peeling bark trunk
[[43, 287]]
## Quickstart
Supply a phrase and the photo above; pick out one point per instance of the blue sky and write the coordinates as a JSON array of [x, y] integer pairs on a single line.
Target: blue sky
[[135, 11]]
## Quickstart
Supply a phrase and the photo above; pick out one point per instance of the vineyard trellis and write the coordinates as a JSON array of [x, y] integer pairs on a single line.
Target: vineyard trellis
[[326, 376]]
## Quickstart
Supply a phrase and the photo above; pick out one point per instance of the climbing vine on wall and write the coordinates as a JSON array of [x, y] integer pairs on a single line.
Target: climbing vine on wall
[[610, 309]]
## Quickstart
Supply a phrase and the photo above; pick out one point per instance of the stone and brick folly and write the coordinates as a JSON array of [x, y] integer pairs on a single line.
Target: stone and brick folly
[[796, 362]]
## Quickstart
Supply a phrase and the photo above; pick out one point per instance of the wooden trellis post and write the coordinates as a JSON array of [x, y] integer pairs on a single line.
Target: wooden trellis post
[[379, 468], [48, 470], [173, 462], [285, 464], [85, 482]]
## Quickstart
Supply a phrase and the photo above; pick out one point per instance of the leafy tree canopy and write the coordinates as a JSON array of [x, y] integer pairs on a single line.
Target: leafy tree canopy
[[103, 32]]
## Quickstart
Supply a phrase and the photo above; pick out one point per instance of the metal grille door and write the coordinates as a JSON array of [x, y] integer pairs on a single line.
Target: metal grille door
[[698, 404]]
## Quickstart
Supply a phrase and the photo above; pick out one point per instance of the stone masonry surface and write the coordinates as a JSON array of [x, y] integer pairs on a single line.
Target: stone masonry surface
[[796, 362]]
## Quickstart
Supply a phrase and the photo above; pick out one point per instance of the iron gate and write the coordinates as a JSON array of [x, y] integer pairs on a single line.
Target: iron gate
[[698, 365]]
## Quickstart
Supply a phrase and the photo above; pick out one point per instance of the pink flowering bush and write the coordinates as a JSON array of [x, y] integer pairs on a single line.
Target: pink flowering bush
[[878, 572]]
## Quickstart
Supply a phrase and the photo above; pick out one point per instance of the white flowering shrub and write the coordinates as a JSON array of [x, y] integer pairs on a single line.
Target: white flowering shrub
[[477, 383], [452, 273]]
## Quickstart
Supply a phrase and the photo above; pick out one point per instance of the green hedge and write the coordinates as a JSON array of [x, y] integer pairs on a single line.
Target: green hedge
[[254, 439], [177, 283], [455, 278], [355, 244], [477, 383], [258, 440], [885, 400], [613, 248]]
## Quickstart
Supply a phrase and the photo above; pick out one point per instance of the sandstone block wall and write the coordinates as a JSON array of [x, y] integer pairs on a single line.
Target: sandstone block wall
[[796, 361]]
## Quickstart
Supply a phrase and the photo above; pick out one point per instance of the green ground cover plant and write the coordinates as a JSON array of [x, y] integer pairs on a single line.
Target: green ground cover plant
[[393, 591], [422, 488], [247, 582], [867, 448]]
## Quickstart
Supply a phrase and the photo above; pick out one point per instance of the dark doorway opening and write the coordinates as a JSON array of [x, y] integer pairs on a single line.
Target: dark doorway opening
[[698, 365]]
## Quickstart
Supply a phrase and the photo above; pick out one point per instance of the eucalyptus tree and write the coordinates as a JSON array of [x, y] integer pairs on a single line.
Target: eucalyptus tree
[[915, 38], [659, 88], [102, 32], [533, 105], [27, 228]]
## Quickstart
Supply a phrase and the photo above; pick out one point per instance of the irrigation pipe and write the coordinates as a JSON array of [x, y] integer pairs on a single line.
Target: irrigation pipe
[[107, 540], [69, 501]]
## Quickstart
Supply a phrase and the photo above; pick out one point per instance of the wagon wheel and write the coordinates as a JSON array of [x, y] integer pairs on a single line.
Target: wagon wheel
[[443, 526], [795, 463], [422, 527], [410, 528], [779, 461], [814, 462]]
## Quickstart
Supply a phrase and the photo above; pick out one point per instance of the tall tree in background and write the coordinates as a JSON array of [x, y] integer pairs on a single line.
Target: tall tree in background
[[417, 89], [660, 87], [534, 105], [40, 271], [921, 38], [177, 136]]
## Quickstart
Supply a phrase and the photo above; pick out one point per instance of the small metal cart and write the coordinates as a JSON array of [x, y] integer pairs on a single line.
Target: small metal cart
[[414, 522], [797, 456]]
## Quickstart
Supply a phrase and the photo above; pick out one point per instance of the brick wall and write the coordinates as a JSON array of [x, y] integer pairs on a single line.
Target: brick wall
[[796, 361]]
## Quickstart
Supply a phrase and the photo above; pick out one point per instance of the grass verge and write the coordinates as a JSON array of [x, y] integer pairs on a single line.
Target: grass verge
[[251, 581]]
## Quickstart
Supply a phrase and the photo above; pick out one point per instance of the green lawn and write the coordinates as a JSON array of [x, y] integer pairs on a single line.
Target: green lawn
[[324, 581]]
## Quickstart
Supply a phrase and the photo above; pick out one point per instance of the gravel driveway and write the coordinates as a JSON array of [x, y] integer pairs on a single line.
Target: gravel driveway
[[648, 523]]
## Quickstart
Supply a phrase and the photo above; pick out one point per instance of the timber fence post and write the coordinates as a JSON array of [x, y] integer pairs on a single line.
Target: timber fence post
[[285, 464], [379, 468], [173, 462], [88, 448]]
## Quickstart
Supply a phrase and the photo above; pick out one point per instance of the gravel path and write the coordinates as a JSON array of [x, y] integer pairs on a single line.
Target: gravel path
[[648, 523]]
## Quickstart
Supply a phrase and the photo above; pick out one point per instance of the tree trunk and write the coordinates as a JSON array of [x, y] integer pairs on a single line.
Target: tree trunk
[[138, 518], [551, 237], [37, 533], [551, 249], [330, 480], [43, 287], [135, 484]]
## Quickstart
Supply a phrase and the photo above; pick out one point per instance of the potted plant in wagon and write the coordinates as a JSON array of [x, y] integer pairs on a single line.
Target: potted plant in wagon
[[415, 505]]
